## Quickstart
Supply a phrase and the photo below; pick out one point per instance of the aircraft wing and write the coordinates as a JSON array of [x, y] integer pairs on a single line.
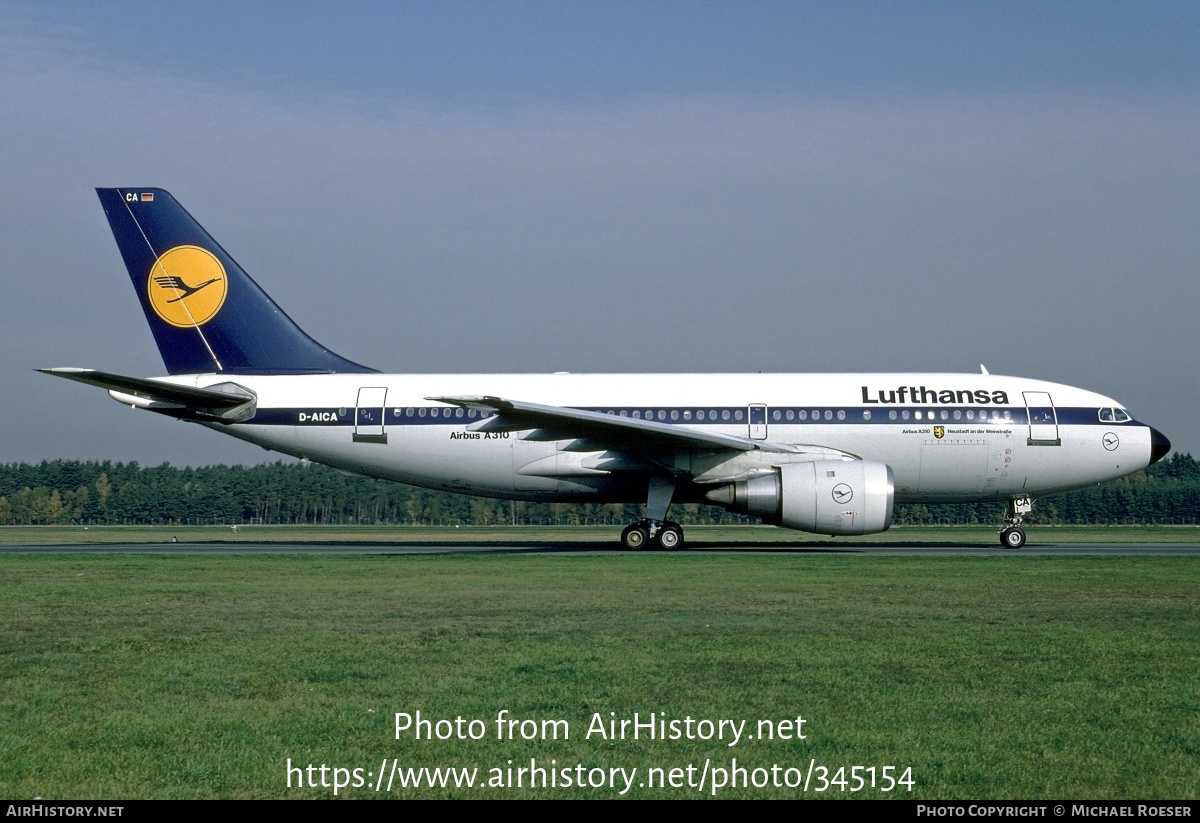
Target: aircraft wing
[[227, 403], [601, 430]]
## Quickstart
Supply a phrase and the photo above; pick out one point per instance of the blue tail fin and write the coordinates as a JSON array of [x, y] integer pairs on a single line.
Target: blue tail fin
[[206, 313]]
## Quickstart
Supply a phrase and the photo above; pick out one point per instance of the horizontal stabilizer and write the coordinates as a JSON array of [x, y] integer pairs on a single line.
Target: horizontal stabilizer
[[230, 403]]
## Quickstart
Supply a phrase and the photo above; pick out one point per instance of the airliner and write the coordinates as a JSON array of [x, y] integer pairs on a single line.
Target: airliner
[[830, 454]]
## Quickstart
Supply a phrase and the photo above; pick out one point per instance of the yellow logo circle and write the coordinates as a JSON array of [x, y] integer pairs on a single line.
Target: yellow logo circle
[[187, 286]]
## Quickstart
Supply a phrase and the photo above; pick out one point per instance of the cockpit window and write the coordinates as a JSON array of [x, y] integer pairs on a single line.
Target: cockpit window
[[1106, 415], [1114, 416]]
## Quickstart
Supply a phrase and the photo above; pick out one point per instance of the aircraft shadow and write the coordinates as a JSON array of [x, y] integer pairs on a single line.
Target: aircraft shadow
[[694, 547]]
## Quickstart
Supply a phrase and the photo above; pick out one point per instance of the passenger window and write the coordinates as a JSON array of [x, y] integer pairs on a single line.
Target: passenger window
[[776, 415], [917, 415], [945, 415], [637, 415], [458, 412], [687, 414], [970, 414], [841, 415], [624, 413], [737, 415], [791, 415], [892, 414], [725, 414], [409, 412], [421, 412], [904, 414], [866, 414], [957, 414], [828, 414], [471, 413], [802, 414]]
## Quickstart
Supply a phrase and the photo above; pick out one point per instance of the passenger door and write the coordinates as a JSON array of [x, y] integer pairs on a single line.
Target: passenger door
[[1043, 420], [368, 416]]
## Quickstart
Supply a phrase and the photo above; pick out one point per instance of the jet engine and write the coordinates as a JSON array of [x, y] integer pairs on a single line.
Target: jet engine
[[824, 497]]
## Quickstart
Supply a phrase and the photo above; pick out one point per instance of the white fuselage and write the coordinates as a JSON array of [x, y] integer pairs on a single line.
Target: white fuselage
[[946, 437]]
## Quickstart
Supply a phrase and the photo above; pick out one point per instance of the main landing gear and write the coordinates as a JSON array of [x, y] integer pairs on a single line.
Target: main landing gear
[[644, 534], [1011, 536], [656, 531]]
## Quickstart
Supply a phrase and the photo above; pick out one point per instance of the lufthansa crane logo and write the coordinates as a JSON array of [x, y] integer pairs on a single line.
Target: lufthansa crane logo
[[842, 494], [187, 286]]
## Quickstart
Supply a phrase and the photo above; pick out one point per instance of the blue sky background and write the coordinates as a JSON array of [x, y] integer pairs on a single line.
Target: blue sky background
[[504, 53], [458, 187]]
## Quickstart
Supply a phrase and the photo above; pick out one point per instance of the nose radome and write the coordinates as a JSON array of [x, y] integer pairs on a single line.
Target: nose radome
[[1159, 445]]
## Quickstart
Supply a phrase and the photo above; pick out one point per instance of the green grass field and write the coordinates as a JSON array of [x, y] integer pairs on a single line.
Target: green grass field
[[199, 676]]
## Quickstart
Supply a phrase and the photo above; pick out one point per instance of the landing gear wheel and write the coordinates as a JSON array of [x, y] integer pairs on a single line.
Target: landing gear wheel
[[671, 537], [1012, 538], [635, 537]]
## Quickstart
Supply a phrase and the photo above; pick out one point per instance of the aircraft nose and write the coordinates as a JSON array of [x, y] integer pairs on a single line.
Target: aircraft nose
[[1159, 445]]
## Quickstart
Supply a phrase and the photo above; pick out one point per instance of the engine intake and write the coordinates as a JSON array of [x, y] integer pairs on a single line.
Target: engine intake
[[824, 497]]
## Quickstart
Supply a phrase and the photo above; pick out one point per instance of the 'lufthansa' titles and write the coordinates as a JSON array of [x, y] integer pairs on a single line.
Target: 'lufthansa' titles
[[920, 395]]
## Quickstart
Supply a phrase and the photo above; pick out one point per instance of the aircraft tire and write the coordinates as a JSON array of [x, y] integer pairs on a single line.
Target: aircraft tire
[[1012, 538], [671, 537], [635, 537]]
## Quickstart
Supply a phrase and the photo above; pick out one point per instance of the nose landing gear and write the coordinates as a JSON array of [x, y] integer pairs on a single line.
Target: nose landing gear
[[1012, 536]]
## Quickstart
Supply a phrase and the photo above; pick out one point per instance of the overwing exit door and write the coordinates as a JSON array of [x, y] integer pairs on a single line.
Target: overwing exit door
[[758, 421]]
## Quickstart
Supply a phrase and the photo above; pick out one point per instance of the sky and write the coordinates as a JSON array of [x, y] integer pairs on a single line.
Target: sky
[[612, 187]]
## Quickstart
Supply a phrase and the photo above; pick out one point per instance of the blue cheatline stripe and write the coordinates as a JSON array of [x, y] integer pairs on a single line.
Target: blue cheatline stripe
[[688, 416]]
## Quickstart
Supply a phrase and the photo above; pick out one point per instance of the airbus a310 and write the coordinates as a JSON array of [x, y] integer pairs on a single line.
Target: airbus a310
[[823, 453]]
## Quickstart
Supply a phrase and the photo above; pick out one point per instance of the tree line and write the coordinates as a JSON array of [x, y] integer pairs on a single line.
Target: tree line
[[67, 491]]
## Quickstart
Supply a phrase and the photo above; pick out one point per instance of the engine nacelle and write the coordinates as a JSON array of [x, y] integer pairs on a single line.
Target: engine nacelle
[[825, 497]]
